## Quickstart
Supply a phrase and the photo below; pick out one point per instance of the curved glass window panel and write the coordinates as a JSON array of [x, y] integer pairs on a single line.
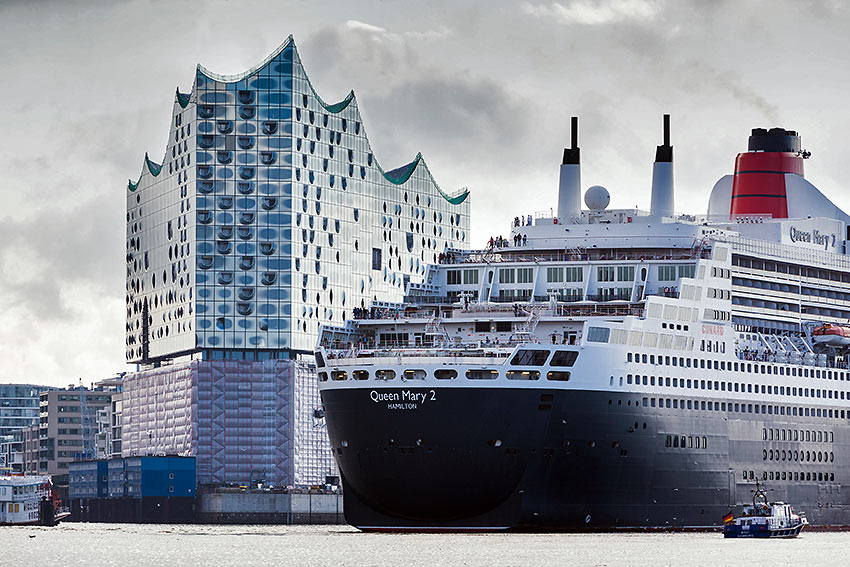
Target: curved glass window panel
[[246, 217], [269, 203], [245, 232], [225, 202], [204, 217], [564, 358], [385, 374], [206, 111], [246, 263], [223, 247], [267, 248], [205, 171], [225, 232], [247, 112], [244, 308], [269, 128], [268, 278], [245, 142], [530, 358], [225, 126], [482, 374], [245, 187], [523, 374], [246, 172], [246, 97], [206, 141], [206, 186], [268, 158], [225, 278], [205, 262]]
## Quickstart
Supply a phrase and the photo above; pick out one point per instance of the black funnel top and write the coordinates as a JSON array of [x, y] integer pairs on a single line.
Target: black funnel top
[[774, 140], [572, 155], [664, 153]]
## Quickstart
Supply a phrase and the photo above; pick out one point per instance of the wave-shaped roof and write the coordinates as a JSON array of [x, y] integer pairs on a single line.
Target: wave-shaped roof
[[397, 176]]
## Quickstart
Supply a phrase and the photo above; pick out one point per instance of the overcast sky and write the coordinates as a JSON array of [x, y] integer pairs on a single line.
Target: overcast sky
[[484, 90]]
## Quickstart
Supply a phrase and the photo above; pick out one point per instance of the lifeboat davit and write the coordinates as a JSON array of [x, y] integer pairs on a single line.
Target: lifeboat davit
[[832, 335]]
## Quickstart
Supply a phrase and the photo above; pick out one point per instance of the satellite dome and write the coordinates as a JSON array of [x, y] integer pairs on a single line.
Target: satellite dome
[[597, 197]]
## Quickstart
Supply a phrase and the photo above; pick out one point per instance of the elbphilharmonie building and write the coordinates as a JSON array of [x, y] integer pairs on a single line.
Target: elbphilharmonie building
[[268, 216]]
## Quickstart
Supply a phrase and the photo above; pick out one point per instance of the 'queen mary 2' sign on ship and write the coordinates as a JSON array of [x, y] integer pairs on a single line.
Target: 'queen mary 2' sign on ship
[[608, 368]]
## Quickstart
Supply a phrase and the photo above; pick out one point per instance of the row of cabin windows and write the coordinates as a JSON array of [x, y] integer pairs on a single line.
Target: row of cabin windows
[[458, 277], [747, 367], [516, 275], [444, 374], [736, 387], [710, 405], [793, 269], [798, 456], [555, 274], [791, 475], [797, 435], [689, 442]]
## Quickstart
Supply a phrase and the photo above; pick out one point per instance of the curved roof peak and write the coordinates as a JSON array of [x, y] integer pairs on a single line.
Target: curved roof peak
[[238, 77], [400, 175]]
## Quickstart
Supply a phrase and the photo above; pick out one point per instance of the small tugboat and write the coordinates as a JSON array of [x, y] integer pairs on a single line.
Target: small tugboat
[[29, 500], [764, 519]]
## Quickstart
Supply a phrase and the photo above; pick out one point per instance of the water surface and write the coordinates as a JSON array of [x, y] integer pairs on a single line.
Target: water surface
[[73, 544]]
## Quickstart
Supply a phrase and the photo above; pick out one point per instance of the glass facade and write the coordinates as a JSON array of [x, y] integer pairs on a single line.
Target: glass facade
[[18, 407], [268, 216]]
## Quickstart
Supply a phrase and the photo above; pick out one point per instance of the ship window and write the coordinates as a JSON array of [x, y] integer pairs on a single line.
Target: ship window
[[482, 374], [523, 374], [445, 374], [530, 358], [339, 375], [385, 374], [482, 326], [557, 375], [564, 358], [676, 441], [360, 374], [598, 334], [413, 374]]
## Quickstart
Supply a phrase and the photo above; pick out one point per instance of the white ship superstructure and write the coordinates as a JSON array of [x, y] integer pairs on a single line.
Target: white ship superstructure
[[21, 497], [605, 367]]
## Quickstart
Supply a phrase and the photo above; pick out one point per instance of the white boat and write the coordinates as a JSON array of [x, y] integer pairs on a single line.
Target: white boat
[[29, 500]]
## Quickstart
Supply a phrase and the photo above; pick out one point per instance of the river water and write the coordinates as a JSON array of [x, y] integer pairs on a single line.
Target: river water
[[74, 544]]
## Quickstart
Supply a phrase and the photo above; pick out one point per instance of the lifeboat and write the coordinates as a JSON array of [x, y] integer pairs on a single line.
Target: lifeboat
[[832, 335]]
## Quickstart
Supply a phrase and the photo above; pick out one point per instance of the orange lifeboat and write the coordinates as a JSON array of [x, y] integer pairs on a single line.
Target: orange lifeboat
[[832, 335]]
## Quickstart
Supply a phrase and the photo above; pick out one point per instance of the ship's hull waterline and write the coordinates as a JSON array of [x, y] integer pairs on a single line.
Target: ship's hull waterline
[[546, 459]]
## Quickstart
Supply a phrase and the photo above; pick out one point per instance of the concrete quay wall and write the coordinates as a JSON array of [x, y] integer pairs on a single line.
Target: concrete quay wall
[[269, 508]]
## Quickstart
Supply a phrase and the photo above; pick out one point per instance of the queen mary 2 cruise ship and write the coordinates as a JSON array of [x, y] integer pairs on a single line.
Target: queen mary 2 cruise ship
[[603, 368]]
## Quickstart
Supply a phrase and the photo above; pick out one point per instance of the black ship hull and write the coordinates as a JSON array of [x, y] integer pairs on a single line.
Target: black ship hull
[[550, 459]]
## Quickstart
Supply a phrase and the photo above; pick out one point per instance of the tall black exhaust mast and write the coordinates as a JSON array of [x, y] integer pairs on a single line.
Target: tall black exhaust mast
[[569, 185]]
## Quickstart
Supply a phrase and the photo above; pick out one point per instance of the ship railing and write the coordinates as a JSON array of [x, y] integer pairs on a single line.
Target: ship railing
[[813, 360], [443, 358], [612, 307], [457, 350]]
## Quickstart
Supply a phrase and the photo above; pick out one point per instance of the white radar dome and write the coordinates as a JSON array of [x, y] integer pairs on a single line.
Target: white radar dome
[[597, 197]]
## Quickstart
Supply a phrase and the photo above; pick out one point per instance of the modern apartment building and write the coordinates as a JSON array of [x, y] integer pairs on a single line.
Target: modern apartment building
[[18, 406]]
